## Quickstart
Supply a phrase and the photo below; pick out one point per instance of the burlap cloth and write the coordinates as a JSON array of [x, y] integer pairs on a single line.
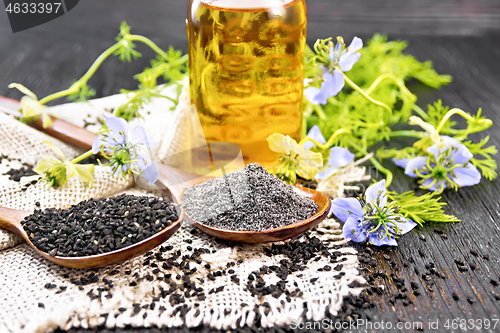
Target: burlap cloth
[[27, 306]]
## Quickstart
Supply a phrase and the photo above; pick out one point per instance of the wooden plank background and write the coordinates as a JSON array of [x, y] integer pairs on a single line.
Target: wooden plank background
[[462, 38]]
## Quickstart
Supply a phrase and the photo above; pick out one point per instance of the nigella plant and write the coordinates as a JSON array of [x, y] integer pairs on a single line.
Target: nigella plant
[[124, 148], [338, 157], [57, 171], [447, 165], [293, 159], [336, 61], [372, 217]]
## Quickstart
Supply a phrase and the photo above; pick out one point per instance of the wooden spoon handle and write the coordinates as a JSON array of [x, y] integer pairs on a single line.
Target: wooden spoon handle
[[60, 129], [67, 132], [10, 219]]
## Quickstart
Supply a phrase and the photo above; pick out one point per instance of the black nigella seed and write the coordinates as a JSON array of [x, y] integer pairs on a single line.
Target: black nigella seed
[[494, 282], [438, 231], [240, 206], [41, 305], [471, 301], [474, 253], [455, 296], [98, 226], [486, 257]]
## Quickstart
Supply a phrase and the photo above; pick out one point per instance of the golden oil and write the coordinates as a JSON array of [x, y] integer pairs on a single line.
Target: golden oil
[[246, 67]]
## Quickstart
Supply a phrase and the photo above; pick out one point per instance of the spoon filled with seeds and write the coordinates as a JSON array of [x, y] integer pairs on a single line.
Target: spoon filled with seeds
[[253, 206], [97, 232]]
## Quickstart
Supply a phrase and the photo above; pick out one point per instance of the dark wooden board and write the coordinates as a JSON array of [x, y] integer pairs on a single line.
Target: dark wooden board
[[462, 38]]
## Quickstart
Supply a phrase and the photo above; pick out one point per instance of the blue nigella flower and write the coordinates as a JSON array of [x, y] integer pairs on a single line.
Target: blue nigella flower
[[123, 148], [339, 157], [448, 165], [341, 60], [372, 218]]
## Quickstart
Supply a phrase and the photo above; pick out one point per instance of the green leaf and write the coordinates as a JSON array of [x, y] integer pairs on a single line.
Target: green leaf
[[488, 165], [126, 50], [83, 94], [420, 209]]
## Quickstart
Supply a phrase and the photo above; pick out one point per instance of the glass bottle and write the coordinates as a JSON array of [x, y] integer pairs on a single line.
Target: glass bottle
[[246, 68]]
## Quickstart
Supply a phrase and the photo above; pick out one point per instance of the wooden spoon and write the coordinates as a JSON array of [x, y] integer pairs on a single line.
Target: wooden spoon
[[265, 236], [11, 220], [277, 234]]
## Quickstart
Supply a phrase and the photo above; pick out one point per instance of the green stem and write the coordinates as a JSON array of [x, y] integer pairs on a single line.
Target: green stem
[[169, 98], [319, 111], [375, 163], [411, 134], [365, 95], [330, 141], [83, 80], [82, 157], [97, 63], [421, 112], [392, 77], [486, 122]]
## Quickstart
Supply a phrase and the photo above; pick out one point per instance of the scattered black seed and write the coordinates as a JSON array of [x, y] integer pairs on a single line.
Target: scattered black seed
[[486, 257], [41, 305], [25, 171], [471, 301], [455, 296], [494, 282], [474, 253], [98, 226], [438, 231], [422, 237], [256, 200]]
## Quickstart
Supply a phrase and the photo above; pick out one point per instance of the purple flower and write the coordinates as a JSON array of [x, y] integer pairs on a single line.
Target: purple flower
[[372, 218], [341, 60], [124, 149], [448, 165], [339, 157]]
